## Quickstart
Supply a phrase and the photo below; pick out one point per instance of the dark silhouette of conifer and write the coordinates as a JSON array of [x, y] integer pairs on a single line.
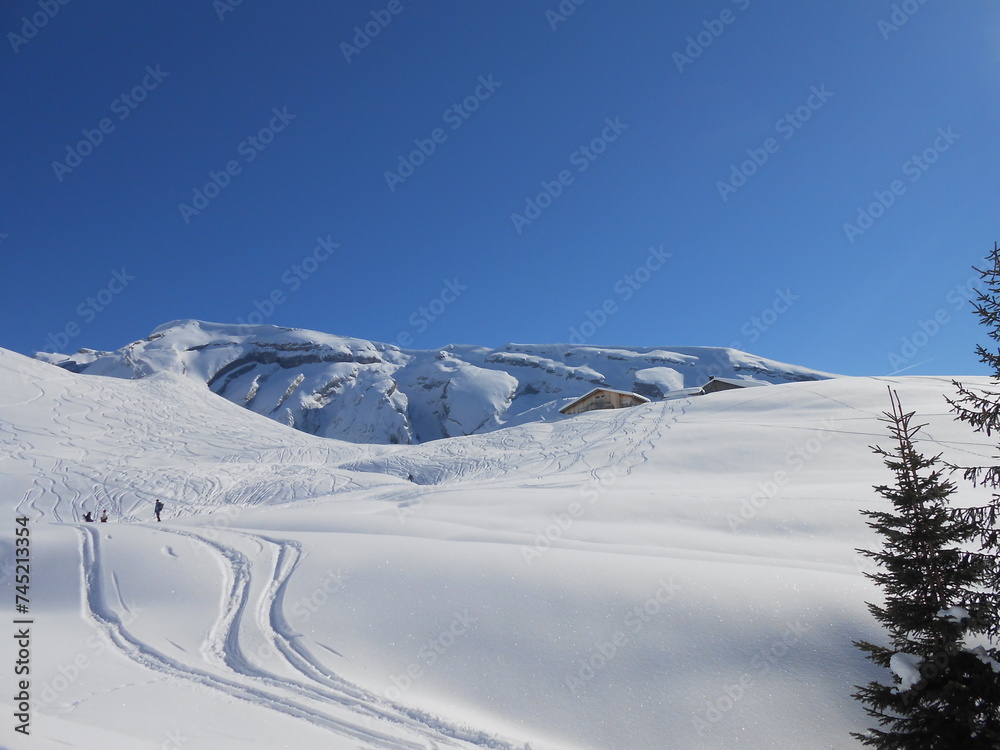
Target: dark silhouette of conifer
[[980, 408], [945, 694]]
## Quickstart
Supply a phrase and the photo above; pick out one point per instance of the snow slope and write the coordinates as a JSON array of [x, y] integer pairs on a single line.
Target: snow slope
[[676, 575], [367, 392]]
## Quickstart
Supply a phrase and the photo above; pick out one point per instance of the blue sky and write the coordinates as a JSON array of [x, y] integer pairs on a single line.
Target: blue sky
[[811, 182]]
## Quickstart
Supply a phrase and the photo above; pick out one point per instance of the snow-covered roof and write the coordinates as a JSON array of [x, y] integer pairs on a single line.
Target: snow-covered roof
[[591, 392], [741, 382], [682, 393]]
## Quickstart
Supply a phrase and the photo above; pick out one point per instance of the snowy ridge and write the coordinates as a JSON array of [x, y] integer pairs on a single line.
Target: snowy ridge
[[680, 574], [365, 392]]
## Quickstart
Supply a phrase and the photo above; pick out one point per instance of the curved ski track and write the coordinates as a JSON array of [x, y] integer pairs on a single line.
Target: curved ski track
[[252, 613]]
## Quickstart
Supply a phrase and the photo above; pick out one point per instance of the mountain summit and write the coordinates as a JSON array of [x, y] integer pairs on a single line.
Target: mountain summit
[[368, 392]]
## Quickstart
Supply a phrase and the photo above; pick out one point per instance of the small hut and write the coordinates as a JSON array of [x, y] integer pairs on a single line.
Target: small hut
[[604, 398], [714, 384]]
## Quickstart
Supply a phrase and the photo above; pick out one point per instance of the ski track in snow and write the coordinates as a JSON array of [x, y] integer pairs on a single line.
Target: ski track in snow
[[252, 612], [247, 479], [634, 429], [251, 652]]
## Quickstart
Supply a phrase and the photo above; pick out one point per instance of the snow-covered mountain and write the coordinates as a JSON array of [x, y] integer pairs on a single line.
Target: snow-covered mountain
[[367, 392], [677, 575]]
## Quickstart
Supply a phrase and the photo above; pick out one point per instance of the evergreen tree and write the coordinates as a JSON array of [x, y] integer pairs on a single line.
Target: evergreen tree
[[945, 696], [981, 409]]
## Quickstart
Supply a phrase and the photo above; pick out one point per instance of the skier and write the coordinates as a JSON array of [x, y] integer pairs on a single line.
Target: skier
[[104, 516], [157, 508], [87, 517]]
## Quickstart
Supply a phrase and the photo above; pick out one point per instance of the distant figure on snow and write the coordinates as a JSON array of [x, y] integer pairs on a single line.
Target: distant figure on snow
[[157, 508], [104, 516], [87, 517]]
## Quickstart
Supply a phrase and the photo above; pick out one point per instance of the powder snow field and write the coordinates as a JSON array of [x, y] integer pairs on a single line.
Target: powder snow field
[[676, 575]]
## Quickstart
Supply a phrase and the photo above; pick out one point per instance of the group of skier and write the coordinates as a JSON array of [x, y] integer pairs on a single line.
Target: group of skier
[[89, 517]]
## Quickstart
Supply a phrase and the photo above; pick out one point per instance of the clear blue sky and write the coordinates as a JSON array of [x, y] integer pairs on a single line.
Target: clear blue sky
[[633, 115]]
